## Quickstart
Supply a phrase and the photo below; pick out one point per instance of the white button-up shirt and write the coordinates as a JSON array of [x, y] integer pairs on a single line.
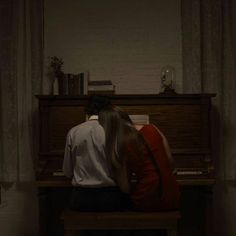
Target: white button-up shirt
[[84, 159]]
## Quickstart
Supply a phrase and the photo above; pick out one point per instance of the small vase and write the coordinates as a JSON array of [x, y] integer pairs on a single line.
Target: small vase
[[56, 87]]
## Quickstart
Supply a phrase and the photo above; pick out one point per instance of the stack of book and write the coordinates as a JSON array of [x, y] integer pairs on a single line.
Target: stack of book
[[101, 87], [74, 84]]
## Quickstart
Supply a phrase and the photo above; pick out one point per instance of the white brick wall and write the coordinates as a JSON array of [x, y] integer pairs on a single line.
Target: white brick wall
[[127, 42]]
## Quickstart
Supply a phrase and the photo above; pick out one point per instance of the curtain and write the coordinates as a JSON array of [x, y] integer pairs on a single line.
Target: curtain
[[208, 45], [21, 73], [209, 67]]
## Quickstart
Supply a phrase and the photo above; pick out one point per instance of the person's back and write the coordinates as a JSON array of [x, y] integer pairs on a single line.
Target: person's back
[[146, 159], [85, 149], [156, 187], [85, 162]]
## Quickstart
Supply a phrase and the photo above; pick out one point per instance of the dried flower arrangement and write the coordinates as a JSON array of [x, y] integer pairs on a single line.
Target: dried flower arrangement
[[55, 74], [56, 66]]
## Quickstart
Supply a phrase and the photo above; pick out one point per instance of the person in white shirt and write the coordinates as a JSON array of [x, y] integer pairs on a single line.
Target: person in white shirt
[[85, 162]]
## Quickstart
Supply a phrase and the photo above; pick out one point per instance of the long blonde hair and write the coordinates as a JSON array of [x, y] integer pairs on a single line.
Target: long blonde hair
[[120, 134]]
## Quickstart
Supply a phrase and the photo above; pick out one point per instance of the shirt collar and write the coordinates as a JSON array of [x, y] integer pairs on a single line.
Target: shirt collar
[[93, 117]]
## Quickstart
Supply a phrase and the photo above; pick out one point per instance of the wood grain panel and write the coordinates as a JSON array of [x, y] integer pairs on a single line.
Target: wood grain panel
[[181, 124], [61, 120]]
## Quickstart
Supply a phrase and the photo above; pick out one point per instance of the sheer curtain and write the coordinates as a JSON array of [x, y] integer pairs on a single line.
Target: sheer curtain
[[207, 32], [208, 44], [21, 74]]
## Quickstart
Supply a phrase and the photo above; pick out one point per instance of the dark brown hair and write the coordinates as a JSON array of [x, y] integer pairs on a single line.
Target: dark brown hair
[[97, 103], [121, 139], [120, 133]]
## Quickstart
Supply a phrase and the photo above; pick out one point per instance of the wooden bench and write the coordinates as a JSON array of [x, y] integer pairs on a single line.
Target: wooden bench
[[127, 220]]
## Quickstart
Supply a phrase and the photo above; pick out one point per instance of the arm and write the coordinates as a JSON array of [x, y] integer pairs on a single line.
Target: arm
[[68, 162]]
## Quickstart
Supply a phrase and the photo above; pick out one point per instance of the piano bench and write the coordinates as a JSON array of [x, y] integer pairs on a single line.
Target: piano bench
[[125, 220]]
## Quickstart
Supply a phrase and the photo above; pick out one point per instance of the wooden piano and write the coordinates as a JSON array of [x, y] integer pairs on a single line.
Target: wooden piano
[[185, 120]]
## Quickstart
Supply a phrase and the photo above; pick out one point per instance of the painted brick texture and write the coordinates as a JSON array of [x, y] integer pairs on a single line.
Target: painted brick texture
[[127, 42]]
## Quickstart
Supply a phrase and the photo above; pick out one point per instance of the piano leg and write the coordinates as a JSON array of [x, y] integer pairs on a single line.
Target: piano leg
[[208, 193], [52, 201]]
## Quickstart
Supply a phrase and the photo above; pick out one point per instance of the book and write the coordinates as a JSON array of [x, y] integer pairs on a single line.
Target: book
[[86, 79], [101, 87], [99, 82], [81, 84], [70, 83], [73, 84], [77, 84], [63, 86]]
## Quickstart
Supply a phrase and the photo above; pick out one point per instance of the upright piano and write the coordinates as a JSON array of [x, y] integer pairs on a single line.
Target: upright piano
[[185, 120]]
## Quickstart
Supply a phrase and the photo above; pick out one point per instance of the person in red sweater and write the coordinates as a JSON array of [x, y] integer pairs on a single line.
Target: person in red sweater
[[141, 161]]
